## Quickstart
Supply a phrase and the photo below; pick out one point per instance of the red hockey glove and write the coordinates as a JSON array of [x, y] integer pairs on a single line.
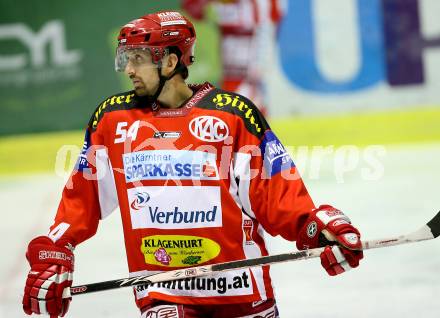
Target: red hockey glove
[[47, 289], [329, 227]]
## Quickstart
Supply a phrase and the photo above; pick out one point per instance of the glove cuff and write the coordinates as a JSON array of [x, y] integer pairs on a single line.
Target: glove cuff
[[42, 250]]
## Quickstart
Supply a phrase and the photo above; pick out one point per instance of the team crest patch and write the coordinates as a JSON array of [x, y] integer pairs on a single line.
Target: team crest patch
[[209, 128]]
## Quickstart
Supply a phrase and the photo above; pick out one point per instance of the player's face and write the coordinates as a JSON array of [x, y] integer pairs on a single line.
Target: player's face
[[142, 72]]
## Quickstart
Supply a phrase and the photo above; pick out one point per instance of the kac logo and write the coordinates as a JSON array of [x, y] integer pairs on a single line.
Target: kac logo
[[209, 128], [140, 200]]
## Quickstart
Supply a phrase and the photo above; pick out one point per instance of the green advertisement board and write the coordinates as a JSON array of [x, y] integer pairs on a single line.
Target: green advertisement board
[[57, 60]]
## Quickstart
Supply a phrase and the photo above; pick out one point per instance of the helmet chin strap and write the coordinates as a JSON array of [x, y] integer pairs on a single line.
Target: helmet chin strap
[[162, 80]]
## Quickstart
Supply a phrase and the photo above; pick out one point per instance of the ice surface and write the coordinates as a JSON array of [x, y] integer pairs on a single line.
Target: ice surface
[[402, 281]]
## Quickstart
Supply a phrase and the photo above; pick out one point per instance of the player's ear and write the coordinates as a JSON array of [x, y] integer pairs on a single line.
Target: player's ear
[[174, 59], [170, 64]]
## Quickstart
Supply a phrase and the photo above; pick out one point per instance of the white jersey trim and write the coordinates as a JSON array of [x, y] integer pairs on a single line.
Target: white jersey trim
[[252, 250], [108, 200], [242, 170]]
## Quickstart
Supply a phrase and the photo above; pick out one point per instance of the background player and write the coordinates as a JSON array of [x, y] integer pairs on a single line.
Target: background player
[[247, 30]]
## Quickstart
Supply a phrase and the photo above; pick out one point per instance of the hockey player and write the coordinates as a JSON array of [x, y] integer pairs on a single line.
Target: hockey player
[[198, 176], [247, 28]]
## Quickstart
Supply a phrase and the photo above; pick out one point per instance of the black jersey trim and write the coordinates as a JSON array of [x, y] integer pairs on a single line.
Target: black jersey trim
[[121, 101], [238, 105]]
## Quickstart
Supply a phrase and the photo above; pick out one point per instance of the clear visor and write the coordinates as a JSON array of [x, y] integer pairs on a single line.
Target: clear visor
[[136, 56]]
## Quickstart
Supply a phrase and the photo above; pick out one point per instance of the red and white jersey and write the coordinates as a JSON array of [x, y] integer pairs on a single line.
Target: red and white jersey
[[195, 185], [241, 16], [238, 16], [247, 29]]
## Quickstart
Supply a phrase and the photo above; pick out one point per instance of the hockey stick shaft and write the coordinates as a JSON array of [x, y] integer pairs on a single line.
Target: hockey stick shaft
[[429, 231]]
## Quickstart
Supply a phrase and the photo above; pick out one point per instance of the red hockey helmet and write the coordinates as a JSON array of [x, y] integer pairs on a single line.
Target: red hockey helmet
[[156, 33]]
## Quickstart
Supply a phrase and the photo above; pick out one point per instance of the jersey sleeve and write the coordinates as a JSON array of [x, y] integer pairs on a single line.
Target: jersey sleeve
[[89, 195], [268, 184]]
